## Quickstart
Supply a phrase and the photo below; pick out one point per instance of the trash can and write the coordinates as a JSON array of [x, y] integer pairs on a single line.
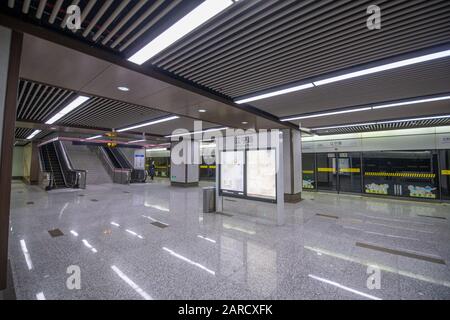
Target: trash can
[[209, 199]]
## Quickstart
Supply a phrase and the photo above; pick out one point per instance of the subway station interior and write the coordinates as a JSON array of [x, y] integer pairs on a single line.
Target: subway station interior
[[225, 150]]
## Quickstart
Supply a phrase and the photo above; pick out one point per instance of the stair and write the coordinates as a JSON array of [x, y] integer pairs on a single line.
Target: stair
[[83, 158]]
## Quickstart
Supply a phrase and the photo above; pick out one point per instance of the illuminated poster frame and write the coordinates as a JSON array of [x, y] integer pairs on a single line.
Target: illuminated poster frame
[[249, 165], [232, 192], [244, 194]]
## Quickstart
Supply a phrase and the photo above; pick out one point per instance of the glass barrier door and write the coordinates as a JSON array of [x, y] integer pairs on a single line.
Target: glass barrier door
[[309, 171], [444, 157], [327, 177], [349, 169], [401, 173]]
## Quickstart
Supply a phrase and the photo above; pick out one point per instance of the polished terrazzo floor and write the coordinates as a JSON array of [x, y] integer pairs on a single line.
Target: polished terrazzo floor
[[320, 253]]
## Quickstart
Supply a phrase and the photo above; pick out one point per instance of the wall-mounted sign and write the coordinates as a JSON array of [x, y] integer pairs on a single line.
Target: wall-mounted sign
[[139, 159]]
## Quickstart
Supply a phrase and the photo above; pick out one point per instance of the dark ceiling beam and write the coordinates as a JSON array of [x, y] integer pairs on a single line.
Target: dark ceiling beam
[[78, 45], [23, 123]]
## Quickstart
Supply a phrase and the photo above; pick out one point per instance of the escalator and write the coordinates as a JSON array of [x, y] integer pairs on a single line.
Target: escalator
[[50, 163], [119, 161], [113, 158], [54, 161]]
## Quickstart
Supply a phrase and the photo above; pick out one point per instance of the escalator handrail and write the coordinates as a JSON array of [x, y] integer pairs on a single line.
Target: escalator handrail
[[51, 167], [52, 182], [60, 164], [74, 172], [106, 158], [113, 158], [122, 159]]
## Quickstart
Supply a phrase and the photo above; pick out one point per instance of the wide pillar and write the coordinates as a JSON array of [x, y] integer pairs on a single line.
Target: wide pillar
[[10, 51], [292, 160], [31, 163], [184, 163]]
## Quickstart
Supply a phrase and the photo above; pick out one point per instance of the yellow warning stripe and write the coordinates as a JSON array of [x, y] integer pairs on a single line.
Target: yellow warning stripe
[[308, 171], [445, 172], [207, 167], [401, 174], [326, 170], [353, 170]]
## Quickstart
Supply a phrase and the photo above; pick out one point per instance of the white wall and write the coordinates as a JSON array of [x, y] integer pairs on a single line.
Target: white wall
[[405, 139], [17, 165]]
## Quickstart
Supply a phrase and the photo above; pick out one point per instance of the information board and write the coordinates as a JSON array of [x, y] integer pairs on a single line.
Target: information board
[[261, 174], [232, 171]]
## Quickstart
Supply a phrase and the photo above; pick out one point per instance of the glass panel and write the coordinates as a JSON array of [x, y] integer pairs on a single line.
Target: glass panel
[[349, 166], [445, 173], [326, 171], [207, 170], [401, 173], [162, 166], [309, 168], [261, 175], [232, 171]]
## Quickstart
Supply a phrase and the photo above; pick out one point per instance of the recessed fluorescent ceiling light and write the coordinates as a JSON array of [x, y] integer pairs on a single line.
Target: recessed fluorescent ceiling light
[[134, 141], [157, 149], [202, 131], [382, 122], [148, 123], [387, 105], [275, 93], [384, 67], [398, 104], [123, 88], [326, 114], [70, 107], [202, 110], [31, 136], [182, 27], [94, 137]]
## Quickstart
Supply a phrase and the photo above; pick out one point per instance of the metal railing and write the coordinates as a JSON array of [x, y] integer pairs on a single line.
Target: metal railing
[[137, 175], [122, 176], [46, 180], [74, 178]]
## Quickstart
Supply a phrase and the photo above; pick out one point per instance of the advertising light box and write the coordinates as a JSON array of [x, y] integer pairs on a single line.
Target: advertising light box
[[232, 171], [261, 174]]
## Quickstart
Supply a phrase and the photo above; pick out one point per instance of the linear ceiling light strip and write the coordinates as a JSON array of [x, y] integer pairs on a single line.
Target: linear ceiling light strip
[[31, 136], [219, 27], [414, 101], [202, 13], [67, 109], [384, 67], [137, 22], [383, 122], [196, 132], [150, 24], [146, 124]]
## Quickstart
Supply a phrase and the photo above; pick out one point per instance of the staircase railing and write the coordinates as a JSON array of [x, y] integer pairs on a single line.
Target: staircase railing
[[122, 176], [137, 175], [73, 178]]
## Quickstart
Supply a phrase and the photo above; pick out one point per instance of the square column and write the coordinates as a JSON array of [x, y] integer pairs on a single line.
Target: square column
[[184, 162], [10, 52], [292, 160]]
